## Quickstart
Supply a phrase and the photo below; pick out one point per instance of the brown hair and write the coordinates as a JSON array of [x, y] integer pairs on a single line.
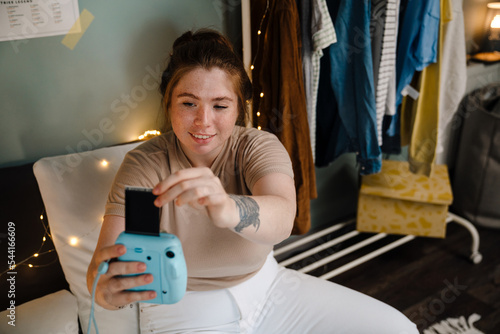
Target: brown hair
[[205, 49]]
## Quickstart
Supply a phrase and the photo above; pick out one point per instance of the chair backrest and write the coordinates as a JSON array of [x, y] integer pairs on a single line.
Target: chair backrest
[[74, 189]]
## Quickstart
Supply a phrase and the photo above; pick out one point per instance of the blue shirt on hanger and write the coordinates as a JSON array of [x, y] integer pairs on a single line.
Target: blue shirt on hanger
[[347, 116], [417, 48], [418, 40]]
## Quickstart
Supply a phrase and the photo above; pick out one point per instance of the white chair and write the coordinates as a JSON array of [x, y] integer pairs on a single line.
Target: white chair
[[74, 189]]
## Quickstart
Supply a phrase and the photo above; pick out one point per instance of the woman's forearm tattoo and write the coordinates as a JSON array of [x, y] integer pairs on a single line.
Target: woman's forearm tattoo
[[249, 212]]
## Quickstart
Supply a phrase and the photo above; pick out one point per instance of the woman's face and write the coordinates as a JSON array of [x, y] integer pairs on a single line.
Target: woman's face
[[203, 112]]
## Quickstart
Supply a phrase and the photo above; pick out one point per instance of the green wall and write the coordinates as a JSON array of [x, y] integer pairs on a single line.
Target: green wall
[[54, 100]]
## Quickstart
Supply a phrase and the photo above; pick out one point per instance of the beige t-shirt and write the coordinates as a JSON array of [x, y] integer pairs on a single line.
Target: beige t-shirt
[[215, 257]]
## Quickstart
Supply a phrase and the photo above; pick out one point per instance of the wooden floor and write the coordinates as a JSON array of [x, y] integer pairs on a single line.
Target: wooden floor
[[427, 279]]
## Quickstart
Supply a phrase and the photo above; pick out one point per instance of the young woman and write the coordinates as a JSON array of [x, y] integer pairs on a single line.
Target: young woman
[[227, 193]]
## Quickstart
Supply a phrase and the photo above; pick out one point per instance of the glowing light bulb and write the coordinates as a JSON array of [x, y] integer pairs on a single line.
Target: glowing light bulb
[[73, 241], [43, 239], [495, 23], [252, 67], [258, 128], [149, 133], [261, 94], [258, 113], [259, 32], [36, 255], [30, 265], [41, 217], [104, 162]]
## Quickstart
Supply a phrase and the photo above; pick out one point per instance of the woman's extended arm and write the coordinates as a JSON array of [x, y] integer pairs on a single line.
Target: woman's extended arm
[[265, 217]]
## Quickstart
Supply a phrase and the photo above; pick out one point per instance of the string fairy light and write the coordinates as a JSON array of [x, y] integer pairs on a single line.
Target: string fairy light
[[252, 67], [149, 134], [38, 254], [73, 241]]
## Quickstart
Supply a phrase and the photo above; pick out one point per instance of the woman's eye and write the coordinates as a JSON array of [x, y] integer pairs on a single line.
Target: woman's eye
[[220, 107], [188, 104]]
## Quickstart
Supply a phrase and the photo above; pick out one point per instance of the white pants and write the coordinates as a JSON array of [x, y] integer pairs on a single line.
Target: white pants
[[276, 300]]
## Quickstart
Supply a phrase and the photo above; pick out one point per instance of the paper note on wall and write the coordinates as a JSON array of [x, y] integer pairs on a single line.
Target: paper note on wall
[[23, 19]]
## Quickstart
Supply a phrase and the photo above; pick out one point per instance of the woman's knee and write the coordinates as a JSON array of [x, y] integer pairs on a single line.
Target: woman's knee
[[324, 303]]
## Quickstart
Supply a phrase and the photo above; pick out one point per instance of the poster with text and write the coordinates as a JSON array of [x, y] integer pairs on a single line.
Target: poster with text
[[22, 19]]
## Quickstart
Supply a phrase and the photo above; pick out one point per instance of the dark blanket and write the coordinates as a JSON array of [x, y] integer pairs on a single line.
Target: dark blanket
[[20, 207]]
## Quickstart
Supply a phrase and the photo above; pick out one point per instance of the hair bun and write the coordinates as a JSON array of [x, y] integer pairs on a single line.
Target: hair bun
[[203, 35]]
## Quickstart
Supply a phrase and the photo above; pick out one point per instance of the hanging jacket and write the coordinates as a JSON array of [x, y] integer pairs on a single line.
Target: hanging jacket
[[346, 103], [420, 118], [282, 107]]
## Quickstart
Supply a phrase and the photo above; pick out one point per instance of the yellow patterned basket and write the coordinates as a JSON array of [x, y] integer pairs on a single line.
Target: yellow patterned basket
[[396, 201]]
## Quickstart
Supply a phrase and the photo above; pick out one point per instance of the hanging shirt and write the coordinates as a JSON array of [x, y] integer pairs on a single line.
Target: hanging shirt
[[418, 41], [385, 64], [392, 24], [305, 14], [348, 116], [453, 80], [421, 117], [323, 35], [377, 23], [417, 48]]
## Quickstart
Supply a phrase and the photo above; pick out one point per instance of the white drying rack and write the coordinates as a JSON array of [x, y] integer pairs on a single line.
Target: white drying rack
[[475, 256]]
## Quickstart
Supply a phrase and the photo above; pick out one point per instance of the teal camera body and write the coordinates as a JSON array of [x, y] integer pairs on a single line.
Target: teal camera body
[[164, 259]]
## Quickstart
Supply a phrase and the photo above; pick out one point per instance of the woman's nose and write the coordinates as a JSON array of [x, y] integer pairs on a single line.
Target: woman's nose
[[202, 116]]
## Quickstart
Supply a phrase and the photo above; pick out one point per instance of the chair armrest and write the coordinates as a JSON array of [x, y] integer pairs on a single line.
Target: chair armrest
[[53, 313]]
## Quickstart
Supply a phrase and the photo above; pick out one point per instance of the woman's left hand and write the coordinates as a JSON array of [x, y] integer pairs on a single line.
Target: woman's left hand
[[198, 187]]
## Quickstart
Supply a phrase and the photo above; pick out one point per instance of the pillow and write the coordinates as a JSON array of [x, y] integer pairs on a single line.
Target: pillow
[[74, 189], [53, 313]]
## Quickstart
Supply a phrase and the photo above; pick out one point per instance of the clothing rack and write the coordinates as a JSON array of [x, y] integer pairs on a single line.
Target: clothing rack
[[301, 253], [298, 245]]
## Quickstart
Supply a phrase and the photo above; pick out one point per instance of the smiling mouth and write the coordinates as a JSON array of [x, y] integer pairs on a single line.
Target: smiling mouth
[[201, 136]]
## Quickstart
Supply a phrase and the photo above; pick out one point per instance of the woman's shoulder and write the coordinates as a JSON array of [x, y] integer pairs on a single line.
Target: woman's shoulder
[[160, 143], [260, 153], [243, 134], [252, 143]]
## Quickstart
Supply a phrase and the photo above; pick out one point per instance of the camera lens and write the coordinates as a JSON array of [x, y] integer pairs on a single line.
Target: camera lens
[[170, 254]]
